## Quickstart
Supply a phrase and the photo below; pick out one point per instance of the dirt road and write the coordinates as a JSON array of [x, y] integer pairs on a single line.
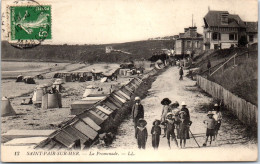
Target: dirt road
[[230, 141]]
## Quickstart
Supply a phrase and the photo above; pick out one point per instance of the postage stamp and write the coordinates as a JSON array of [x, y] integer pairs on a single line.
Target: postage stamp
[[30, 22]]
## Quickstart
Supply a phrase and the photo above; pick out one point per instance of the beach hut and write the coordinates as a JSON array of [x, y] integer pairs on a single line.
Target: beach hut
[[87, 76], [7, 109], [28, 80], [30, 141], [39, 76], [59, 81], [57, 84], [39, 91], [84, 104], [81, 105], [124, 71], [68, 78], [56, 75], [96, 75], [18, 133], [19, 78], [51, 101]]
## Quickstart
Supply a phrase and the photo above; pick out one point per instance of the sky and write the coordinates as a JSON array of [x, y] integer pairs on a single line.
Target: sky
[[116, 21]]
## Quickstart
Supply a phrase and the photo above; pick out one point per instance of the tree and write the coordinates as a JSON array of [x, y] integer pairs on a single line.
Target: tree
[[242, 41]]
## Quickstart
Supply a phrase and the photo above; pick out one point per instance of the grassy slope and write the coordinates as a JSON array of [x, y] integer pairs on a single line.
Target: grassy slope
[[86, 53], [241, 79]]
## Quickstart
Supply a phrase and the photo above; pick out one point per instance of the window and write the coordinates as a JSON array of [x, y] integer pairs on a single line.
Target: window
[[251, 38], [232, 36], [216, 36], [196, 44], [188, 43], [215, 46]]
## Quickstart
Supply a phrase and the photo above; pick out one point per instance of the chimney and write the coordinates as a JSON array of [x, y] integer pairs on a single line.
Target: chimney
[[193, 31]]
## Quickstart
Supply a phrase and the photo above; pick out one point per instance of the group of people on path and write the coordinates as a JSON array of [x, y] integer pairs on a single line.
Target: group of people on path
[[172, 119]]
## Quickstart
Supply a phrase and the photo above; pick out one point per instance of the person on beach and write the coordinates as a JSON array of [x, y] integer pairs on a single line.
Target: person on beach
[[187, 117], [181, 74], [209, 66], [156, 132], [137, 111], [211, 123], [218, 117], [214, 109], [30, 101], [170, 126], [141, 133], [174, 108], [185, 109], [178, 63], [183, 127], [165, 102]]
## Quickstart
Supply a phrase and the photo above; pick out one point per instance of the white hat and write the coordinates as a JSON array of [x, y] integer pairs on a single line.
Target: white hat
[[168, 114], [137, 98], [183, 103], [216, 105]]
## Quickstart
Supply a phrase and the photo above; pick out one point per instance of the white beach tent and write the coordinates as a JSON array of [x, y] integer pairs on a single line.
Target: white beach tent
[[87, 92], [7, 109], [39, 91]]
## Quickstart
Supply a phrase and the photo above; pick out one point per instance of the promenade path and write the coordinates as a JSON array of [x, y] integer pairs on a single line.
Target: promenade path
[[231, 143]]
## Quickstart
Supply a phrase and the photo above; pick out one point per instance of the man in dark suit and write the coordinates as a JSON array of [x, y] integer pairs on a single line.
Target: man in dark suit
[[137, 111]]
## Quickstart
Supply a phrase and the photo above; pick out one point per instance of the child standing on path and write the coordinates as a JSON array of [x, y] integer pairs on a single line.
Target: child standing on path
[[141, 134], [170, 126], [218, 117], [183, 128], [165, 102], [211, 123], [156, 132]]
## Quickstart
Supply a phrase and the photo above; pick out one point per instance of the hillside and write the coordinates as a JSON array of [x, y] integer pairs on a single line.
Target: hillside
[[86, 53], [240, 79]]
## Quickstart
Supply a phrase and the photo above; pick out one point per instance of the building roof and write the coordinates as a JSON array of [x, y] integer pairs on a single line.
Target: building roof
[[181, 35], [213, 18], [251, 26], [190, 32]]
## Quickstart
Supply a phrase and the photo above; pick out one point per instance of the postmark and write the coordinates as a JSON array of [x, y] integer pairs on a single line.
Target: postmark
[[28, 23]]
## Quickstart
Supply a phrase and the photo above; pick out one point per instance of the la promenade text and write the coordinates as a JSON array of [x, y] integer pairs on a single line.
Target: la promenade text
[[75, 153]]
